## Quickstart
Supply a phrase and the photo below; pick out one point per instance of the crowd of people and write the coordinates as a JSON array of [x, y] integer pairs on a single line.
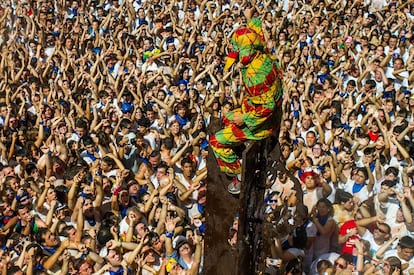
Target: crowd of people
[[106, 107], [343, 201]]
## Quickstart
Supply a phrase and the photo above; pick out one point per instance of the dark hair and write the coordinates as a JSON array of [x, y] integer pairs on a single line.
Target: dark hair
[[155, 154], [294, 266], [388, 183], [109, 161], [144, 122], [77, 263], [392, 170], [300, 236], [39, 237], [163, 165], [30, 168], [337, 105], [406, 242], [186, 160], [336, 122], [168, 143], [342, 196], [88, 141], [363, 170], [22, 153], [369, 150], [371, 83], [13, 270], [352, 83], [80, 123], [109, 219], [347, 257], [327, 203], [65, 230], [104, 236], [124, 123]]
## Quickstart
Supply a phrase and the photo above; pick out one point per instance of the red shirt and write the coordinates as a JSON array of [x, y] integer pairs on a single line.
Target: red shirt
[[349, 244], [373, 136]]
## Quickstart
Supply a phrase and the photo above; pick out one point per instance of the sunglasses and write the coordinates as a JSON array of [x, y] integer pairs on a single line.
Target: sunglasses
[[273, 201], [341, 266], [380, 230]]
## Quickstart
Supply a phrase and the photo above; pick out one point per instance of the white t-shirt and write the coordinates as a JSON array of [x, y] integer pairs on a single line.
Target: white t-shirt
[[123, 227], [362, 194], [373, 245]]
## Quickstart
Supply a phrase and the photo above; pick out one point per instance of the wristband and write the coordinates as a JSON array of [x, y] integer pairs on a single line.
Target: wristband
[[116, 190], [39, 267], [4, 248], [169, 234]]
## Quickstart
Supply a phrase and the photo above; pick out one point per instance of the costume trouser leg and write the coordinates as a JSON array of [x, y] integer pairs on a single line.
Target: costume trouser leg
[[258, 114], [223, 142]]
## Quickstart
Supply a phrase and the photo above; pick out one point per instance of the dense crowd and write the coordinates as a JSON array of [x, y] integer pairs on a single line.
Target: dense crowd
[[345, 190], [106, 108]]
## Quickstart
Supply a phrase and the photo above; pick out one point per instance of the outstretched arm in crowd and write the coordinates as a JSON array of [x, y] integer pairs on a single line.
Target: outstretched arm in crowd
[[80, 220], [401, 150], [186, 193], [402, 198], [97, 186], [41, 200], [198, 242], [134, 254], [73, 191], [405, 132], [163, 215], [12, 146], [381, 251], [170, 230], [162, 104], [50, 262], [179, 154], [50, 213]]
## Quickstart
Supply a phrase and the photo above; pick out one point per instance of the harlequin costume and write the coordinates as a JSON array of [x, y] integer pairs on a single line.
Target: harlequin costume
[[261, 76]]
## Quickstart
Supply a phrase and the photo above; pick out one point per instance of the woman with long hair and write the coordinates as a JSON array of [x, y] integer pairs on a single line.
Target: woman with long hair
[[322, 217]]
